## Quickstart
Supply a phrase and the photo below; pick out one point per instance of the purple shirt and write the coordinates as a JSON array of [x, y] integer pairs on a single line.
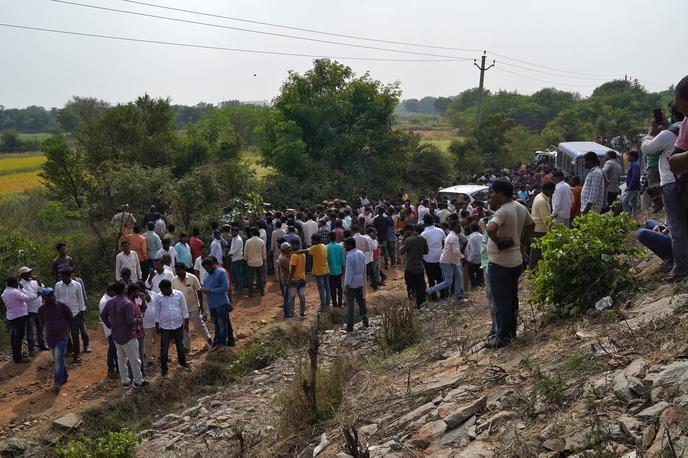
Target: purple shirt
[[118, 315], [56, 318], [16, 302]]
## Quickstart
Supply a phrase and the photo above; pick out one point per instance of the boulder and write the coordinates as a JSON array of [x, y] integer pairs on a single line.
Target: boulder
[[456, 416], [555, 445], [14, 446], [440, 380], [367, 430], [578, 439], [428, 434], [460, 393], [416, 413], [673, 379], [458, 436], [622, 388], [636, 369], [68, 421], [653, 411], [649, 435]]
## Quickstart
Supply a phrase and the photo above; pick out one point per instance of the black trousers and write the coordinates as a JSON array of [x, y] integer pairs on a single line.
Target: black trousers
[[75, 332], [178, 336], [17, 331], [336, 290], [475, 275], [34, 332], [257, 274], [415, 286], [370, 272], [434, 273]]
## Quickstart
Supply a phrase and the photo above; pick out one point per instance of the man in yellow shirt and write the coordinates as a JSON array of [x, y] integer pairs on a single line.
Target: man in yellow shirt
[[297, 278], [255, 257], [321, 270], [542, 208]]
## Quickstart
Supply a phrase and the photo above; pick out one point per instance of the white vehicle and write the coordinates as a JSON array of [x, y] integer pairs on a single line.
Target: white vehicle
[[570, 157], [471, 191]]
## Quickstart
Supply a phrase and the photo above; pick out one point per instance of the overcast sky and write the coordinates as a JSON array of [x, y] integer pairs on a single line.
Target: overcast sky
[[608, 38]]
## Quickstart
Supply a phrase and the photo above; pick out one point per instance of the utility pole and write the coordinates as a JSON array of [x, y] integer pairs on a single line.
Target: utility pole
[[482, 69]]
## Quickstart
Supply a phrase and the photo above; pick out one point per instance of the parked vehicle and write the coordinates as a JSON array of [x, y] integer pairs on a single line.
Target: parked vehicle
[[471, 191], [570, 156]]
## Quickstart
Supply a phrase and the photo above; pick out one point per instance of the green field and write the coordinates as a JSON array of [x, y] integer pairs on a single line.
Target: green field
[[19, 172], [253, 160], [34, 137], [441, 143]]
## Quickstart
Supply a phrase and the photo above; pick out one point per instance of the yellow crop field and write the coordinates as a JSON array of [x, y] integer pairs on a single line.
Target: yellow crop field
[[15, 162], [10, 184]]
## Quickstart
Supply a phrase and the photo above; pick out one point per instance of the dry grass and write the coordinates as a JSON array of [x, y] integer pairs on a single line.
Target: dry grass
[[400, 327], [23, 161], [11, 184]]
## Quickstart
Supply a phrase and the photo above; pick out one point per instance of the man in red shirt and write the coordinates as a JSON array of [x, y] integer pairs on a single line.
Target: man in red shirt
[[138, 244], [195, 243]]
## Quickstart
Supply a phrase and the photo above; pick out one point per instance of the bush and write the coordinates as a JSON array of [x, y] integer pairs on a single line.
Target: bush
[[120, 444], [257, 356], [582, 264], [400, 327]]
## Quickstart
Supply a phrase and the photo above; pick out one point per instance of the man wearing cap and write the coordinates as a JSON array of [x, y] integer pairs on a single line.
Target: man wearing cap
[[16, 304], [70, 293], [57, 318], [31, 286]]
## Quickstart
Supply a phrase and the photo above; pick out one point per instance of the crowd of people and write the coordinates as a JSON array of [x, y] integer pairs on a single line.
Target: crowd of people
[[166, 279]]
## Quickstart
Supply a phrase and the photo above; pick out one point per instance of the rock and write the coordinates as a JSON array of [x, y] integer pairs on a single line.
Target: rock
[[636, 369], [673, 379], [343, 455], [653, 411], [415, 413], [578, 439], [307, 452], [554, 445], [462, 413], [458, 436], [476, 449], [367, 430], [649, 435], [636, 385], [14, 446], [321, 446], [629, 425], [428, 433], [495, 420], [68, 421], [622, 388], [441, 380], [461, 392], [603, 303]]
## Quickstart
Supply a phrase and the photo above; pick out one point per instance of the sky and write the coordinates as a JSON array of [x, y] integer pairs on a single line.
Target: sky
[[576, 45]]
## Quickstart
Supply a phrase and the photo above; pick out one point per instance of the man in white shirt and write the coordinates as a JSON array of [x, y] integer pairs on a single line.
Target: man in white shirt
[[172, 319], [216, 247], [422, 210], [434, 236], [31, 286], [236, 254], [167, 249], [112, 349], [158, 274], [475, 272], [70, 293], [189, 285], [450, 263], [562, 199], [129, 259]]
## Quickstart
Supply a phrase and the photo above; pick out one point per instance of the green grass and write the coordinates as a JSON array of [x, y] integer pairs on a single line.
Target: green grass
[[34, 137], [253, 160], [441, 143]]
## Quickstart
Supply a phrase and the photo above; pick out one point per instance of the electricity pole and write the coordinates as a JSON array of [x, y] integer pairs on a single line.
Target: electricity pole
[[482, 69]]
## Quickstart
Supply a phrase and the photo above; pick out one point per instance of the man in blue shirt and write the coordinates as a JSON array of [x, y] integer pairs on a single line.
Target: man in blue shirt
[[631, 201], [184, 251], [354, 281], [215, 286], [336, 264], [153, 244]]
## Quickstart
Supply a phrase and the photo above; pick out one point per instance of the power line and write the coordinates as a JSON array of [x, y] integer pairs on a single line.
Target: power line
[[552, 73], [282, 35], [550, 68], [219, 48], [300, 29], [544, 81]]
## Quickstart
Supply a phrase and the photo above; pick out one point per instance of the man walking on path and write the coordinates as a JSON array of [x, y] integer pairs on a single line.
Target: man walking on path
[[354, 281], [414, 247], [189, 285], [450, 263], [138, 244], [510, 231], [297, 279], [184, 252], [111, 359], [57, 318], [16, 305], [321, 270], [236, 256], [172, 319], [70, 293], [34, 326], [215, 287], [129, 259], [118, 315]]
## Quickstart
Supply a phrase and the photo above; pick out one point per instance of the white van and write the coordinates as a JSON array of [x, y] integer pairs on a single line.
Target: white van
[[570, 157], [471, 191]]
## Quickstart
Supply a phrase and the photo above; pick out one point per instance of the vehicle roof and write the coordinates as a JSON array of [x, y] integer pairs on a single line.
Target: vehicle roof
[[580, 148], [465, 188]]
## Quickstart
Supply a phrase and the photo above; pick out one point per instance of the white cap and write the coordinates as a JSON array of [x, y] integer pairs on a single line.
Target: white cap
[[24, 270], [285, 245]]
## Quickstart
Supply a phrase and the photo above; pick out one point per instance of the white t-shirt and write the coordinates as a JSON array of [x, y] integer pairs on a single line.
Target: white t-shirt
[[101, 306], [198, 267], [511, 218], [434, 236]]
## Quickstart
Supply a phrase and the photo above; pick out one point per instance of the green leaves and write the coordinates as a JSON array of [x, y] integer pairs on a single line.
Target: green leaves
[[579, 265]]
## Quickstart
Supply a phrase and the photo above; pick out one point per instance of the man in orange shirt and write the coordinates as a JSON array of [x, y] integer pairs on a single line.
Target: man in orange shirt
[[576, 189], [138, 244]]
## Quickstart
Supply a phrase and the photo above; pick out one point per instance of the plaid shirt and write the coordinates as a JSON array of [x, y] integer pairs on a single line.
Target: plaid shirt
[[593, 190], [324, 234]]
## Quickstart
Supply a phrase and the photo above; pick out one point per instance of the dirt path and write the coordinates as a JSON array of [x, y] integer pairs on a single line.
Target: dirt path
[[26, 397]]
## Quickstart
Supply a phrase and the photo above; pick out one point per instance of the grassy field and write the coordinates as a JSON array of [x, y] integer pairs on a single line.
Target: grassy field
[[35, 137], [19, 172], [253, 159]]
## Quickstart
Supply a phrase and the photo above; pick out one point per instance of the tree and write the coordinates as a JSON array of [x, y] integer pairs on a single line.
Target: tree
[[80, 112], [9, 141], [432, 168], [63, 171]]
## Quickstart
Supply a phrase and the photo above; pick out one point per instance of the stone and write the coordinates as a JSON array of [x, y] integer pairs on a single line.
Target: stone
[[578, 439], [14, 446], [415, 413], [495, 420], [653, 411], [440, 380], [649, 435], [622, 388], [307, 452], [629, 425], [367, 430], [458, 436], [673, 379], [636, 385], [428, 433], [476, 449], [321, 446], [462, 413], [461, 392], [555, 445], [645, 313], [343, 455], [68, 421], [636, 369]]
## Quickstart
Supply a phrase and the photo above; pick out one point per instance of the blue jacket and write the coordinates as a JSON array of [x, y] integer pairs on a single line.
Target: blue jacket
[[218, 284], [633, 177]]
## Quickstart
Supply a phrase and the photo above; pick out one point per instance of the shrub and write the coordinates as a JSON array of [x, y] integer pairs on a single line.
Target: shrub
[[581, 264], [120, 444], [400, 327], [254, 357]]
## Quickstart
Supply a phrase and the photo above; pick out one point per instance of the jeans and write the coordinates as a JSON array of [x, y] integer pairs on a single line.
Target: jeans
[[33, 322], [451, 274], [357, 294], [415, 286], [475, 274], [286, 307], [434, 274], [178, 336], [112, 354], [257, 274], [323, 282], [677, 217], [611, 197], [17, 331], [145, 269], [535, 253], [504, 287], [125, 353], [372, 275], [336, 290], [199, 325], [301, 292], [58, 350], [236, 269], [389, 251], [220, 318], [75, 332], [631, 202], [658, 243], [490, 302]]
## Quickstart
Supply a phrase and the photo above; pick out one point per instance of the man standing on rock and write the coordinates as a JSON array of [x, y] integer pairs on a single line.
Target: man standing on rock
[[413, 248], [510, 230], [354, 280]]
